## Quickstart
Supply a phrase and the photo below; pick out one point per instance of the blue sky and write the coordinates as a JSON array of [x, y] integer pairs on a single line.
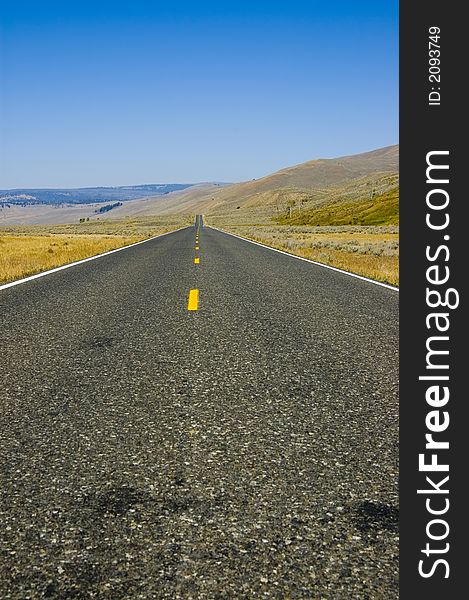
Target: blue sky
[[115, 93]]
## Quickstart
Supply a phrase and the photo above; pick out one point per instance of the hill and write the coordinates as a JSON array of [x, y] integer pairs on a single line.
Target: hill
[[300, 188]]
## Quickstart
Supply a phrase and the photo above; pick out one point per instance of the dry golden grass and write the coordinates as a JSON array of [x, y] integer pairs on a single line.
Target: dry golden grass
[[369, 251], [21, 256], [128, 227], [28, 250]]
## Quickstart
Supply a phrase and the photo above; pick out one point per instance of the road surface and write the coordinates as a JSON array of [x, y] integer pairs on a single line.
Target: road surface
[[246, 447]]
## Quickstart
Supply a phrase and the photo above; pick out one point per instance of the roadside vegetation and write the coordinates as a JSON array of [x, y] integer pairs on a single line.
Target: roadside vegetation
[[31, 249], [370, 251]]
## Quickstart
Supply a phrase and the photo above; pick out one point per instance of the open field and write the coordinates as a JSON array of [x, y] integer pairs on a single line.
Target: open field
[[369, 251], [31, 249]]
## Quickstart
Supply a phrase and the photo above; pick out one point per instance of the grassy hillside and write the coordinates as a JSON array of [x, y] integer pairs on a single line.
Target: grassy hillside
[[314, 181], [383, 209]]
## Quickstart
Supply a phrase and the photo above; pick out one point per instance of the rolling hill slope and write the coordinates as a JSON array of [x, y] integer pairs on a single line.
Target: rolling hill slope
[[306, 186]]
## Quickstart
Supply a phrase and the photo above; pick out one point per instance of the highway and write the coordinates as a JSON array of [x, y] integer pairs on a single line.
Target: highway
[[217, 428]]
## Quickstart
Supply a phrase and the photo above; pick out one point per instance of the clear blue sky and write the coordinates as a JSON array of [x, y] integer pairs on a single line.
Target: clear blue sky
[[115, 93]]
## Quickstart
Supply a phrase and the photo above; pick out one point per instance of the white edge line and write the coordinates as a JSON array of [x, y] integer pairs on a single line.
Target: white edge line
[[386, 285], [84, 260]]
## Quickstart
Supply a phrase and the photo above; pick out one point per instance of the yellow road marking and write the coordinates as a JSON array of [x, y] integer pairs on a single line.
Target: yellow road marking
[[196, 261], [196, 247], [193, 302]]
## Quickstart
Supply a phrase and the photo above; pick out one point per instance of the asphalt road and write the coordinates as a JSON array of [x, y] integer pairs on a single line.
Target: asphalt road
[[246, 449]]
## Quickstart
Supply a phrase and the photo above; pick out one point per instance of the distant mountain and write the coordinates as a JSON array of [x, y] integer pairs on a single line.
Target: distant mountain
[[88, 195]]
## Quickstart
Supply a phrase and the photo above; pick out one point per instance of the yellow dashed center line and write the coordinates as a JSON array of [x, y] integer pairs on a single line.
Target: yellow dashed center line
[[193, 302]]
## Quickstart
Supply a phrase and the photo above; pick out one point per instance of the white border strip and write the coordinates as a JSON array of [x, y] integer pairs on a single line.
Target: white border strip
[[386, 285], [84, 260]]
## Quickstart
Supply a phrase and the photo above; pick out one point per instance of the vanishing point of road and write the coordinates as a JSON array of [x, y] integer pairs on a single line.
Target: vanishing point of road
[[198, 417]]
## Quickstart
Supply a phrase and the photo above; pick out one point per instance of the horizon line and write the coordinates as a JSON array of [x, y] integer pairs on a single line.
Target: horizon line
[[83, 187]]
